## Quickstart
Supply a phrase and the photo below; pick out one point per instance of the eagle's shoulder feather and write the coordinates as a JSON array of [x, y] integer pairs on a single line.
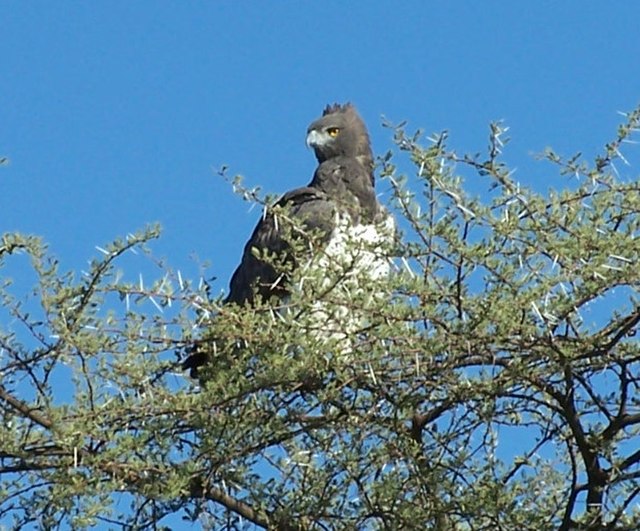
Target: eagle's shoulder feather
[[302, 212]]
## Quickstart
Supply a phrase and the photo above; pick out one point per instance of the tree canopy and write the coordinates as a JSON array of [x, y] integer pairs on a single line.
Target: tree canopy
[[492, 382]]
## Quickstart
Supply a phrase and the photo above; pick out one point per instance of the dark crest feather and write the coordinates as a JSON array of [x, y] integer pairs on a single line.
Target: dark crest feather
[[337, 107]]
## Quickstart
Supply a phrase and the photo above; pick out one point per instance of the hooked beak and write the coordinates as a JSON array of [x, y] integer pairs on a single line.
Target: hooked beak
[[316, 139]]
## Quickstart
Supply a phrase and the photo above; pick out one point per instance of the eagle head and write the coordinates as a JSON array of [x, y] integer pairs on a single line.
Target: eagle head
[[340, 132]]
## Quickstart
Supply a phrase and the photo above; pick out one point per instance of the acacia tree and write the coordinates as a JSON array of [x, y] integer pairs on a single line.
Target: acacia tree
[[492, 382]]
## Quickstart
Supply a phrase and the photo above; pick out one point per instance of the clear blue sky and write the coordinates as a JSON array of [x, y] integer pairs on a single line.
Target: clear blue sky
[[115, 114]]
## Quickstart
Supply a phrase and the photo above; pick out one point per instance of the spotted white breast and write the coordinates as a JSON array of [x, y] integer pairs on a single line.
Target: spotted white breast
[[334, 291]]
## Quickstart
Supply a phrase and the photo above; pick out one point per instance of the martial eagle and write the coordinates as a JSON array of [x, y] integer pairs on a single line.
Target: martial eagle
[[339, 207]]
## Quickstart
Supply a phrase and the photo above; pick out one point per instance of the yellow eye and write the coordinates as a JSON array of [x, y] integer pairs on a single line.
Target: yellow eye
[[333, 131]]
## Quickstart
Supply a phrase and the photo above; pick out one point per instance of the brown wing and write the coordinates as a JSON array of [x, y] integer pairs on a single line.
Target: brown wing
[[308, 207]]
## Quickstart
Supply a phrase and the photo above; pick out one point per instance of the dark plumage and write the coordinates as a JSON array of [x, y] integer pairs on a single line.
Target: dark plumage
[[342, 188], [312, 208]]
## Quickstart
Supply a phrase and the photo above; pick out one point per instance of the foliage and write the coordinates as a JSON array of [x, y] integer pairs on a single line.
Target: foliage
[[492, 383]]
